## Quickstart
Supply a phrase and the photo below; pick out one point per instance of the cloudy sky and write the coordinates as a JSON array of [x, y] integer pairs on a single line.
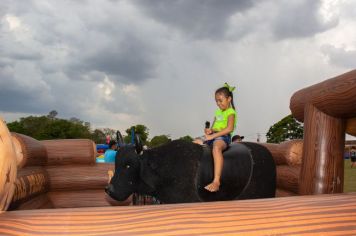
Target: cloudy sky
[[119, 63]]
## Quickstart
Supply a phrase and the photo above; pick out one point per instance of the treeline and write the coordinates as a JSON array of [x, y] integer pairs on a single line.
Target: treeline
[[51, 127]]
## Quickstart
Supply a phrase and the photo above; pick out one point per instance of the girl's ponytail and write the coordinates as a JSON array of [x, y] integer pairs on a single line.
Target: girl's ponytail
[[232, 100]]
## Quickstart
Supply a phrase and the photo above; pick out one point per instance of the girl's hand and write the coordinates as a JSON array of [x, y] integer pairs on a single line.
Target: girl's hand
[[208, 131], [209, 137]]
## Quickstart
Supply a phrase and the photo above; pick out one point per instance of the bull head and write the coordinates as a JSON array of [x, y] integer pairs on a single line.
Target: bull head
[[133, 173], [126, 177]]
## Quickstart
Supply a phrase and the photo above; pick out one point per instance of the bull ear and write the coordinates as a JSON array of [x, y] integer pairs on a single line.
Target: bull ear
[[138, 144], [119, 139]]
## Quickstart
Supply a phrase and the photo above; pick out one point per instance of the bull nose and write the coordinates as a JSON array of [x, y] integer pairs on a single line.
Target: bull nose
[[109, 189]]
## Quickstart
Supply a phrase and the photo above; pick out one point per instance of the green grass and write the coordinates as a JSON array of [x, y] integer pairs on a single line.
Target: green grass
[[350, 177]]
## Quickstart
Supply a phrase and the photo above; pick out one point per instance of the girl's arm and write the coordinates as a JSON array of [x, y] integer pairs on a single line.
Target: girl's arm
[[227, 130]]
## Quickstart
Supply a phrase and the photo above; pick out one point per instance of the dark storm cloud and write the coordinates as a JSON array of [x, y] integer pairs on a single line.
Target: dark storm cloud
[[93, 41], [18, 95], [12, 100], [199, 18], [130, 61], [298, 19], [119, 62]]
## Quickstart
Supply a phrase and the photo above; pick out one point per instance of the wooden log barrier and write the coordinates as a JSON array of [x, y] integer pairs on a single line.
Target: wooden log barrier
[[288, 178], [80, 177], [41, 201], [29, 151], [325, 109], [323, 155], [70, 151], [30, 182], [284, 193], [29, 189], [286, 153], [8, 167], [351, 126], [330, 214], [335, 97], [83, 198]]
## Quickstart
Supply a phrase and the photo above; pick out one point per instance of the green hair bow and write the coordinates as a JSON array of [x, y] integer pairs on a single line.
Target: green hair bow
[[230, 88]]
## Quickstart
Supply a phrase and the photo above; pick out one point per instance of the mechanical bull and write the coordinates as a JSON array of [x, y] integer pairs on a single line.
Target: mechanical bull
[[177, 172]]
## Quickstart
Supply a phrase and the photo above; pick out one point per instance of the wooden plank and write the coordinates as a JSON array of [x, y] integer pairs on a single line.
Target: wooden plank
[[303, 215]]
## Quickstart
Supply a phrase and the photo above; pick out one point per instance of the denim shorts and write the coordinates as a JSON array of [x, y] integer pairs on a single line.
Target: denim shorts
[[225, 138]]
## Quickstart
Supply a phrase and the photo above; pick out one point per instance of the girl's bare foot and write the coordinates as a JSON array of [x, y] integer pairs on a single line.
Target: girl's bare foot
[[213, 186]]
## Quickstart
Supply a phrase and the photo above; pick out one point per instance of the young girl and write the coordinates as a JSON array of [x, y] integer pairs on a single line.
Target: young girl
[[219, 136]]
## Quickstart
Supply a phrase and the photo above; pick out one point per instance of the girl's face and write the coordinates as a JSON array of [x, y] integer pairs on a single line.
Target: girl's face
[[222, 101]]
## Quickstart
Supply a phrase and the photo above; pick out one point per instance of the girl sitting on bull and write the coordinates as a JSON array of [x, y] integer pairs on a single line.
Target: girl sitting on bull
[[219, 136]]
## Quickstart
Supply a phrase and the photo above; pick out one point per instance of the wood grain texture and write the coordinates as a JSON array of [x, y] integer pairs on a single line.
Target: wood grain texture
[[288, 178], [31, 181], [83, 198], [288, 152], [80, 177], [30, 152], [8, 167], [284, 193], [335, 97], [39, 202], [351, 126], [306, 215], [70, 151], [324, 141]]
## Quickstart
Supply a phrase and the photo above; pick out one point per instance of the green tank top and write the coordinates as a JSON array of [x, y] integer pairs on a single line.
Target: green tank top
[[221, 118]]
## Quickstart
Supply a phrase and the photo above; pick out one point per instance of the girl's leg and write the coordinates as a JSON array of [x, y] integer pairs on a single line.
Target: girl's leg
[[218, 147]]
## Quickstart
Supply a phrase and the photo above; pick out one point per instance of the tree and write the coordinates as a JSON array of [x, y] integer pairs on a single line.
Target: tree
[[286, 129], [75, 120], [187, 138], [35, 126], [98, 136], [140, 130], [110, 132], [159, 140], [48, 127], [16, 126], [52, 114]]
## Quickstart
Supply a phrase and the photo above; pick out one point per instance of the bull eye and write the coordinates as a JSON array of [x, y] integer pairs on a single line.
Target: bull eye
[[128, 166]]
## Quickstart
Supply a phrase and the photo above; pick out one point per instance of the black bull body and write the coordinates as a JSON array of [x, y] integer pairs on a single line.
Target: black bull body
[[178, 172]]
